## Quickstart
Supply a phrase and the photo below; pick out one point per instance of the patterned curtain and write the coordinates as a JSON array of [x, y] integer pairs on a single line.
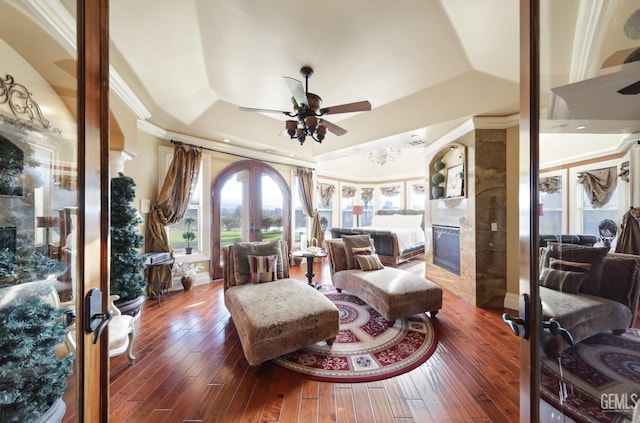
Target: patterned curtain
[[624, 171], [391, 191], [326, 192], [599, 184], [366, 194], [418, 188], [348, 192], [305, 183], [551, 185]]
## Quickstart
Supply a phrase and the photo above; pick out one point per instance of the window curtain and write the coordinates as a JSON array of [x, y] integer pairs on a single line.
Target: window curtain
[[391, 191], [173, 200], [326, 192], [418, 188], [624, 171], [305, 182], [551, 185], [348, 192], [599, 185], [629, 238], [366, 194]]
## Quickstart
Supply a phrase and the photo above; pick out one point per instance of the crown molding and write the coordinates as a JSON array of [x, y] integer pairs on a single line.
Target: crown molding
[[55, 16], [626, 143], [218, 146]]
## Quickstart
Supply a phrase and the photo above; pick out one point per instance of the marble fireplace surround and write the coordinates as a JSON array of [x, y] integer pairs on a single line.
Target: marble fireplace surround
[[482, 279]]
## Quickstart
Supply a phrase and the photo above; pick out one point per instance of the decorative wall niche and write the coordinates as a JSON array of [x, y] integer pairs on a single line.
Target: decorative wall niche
[[448, 172]]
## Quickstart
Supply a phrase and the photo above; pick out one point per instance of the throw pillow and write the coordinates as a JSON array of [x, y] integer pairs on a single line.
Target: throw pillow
[[262, 268], [582, 254], [356, 241], [241, 250], [572, 266], [360, 251], [562, 280], [369, 262]]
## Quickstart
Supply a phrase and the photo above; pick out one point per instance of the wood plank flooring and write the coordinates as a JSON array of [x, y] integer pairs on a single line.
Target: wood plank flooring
[[190, 368]]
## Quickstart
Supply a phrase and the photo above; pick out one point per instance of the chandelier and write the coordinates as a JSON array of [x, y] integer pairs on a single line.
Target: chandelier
[[384, 155]]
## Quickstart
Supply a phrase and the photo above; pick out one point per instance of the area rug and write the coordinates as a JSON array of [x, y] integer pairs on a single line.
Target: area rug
[[366, 349], [601, 378]]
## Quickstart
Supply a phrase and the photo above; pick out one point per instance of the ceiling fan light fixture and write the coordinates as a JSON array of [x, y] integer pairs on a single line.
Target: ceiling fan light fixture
[[292, 128], [311, 122]]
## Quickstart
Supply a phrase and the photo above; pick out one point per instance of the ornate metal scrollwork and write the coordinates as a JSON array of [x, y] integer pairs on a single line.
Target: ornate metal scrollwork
[[21, 103]]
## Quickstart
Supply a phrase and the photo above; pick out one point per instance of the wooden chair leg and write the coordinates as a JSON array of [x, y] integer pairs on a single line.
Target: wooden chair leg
[[132, 336]]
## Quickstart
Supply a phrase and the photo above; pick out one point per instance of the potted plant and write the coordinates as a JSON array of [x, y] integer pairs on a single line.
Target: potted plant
[[437, 191], [186, 271], [188, 235], [127, 263], [33, 377]]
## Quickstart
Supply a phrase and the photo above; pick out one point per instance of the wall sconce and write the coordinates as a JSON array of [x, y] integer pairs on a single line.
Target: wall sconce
[[357, 212]]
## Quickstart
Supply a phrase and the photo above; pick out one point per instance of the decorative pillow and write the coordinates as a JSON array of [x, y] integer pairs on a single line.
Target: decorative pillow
[[356, 241], [562, 280], [262, 268], [571, 266], [582, 254], [360, 251], [369, 262], [241, 250]]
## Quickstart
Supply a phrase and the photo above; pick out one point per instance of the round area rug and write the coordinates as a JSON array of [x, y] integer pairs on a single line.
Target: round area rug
[[366, 349], [600, 380]]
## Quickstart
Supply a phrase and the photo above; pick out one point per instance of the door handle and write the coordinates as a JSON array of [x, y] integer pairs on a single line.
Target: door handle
[[95, 319], [556, 329], [515, 323]]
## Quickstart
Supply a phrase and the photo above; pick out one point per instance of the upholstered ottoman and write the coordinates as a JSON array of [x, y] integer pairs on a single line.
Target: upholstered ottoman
[[280, 317], [392, 292]]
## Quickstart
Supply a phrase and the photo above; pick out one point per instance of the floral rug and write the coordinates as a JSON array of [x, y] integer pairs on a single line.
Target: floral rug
[[366, 349], [601, 378]]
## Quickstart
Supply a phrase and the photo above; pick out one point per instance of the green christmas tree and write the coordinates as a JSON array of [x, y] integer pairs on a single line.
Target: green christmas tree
[[31, 377], [126, 261]]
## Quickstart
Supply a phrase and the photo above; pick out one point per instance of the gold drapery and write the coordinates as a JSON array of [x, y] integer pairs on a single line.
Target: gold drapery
[[305, 183], [599, 185]]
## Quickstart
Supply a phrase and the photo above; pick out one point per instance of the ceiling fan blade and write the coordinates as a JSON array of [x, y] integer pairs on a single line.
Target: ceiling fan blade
[[332, 127], [251, 109], [358, 106], [618, 58], [297, 90], [631, 89]]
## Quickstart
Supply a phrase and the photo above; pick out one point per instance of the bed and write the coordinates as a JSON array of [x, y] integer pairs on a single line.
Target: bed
[[398, 235]]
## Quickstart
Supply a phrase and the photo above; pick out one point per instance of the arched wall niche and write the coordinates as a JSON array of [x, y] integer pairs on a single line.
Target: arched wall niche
[[450, 163]]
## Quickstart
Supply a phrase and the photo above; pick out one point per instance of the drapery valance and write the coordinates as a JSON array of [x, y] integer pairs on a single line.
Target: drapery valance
[[391, 191], [366, 194], [418, 188], [551, 184], [599, 184], [348, 192], [326, 192]]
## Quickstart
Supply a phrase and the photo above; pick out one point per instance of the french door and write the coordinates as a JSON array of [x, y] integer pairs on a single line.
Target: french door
[[251, 201]]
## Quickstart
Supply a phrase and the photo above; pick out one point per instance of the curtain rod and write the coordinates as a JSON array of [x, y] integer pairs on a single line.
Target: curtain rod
[[235, 154]]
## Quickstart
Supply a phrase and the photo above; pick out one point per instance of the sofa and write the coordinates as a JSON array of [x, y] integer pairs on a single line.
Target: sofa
[[273, 315], [392, 292], [587, 290]]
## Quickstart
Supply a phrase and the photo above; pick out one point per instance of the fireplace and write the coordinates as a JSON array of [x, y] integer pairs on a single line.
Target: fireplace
[[446, 248]]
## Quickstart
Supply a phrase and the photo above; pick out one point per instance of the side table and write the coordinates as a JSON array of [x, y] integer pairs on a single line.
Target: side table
[[160, 286], [310, 256]]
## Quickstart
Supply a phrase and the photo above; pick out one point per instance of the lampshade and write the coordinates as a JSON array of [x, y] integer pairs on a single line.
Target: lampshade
[[357, 210]]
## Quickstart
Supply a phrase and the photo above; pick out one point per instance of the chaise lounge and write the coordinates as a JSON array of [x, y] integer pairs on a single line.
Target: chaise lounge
[[273, 315]]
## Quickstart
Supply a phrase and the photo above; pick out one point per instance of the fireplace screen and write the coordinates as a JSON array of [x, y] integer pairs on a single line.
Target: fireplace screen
[[446, 248]]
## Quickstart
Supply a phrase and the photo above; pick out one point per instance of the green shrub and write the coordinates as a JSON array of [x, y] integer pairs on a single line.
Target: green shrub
[[437, 178]]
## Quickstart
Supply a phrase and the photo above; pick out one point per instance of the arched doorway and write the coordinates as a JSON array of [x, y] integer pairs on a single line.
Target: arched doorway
[[251, 201]]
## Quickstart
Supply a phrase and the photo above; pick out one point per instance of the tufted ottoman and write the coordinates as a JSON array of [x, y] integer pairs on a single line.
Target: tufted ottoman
[[280, 317]]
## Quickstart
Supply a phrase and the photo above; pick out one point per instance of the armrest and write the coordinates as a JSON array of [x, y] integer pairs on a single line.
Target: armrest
[[620, 281]]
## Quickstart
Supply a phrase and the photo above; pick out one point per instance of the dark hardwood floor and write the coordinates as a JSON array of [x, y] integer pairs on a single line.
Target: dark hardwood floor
[[190, 368]]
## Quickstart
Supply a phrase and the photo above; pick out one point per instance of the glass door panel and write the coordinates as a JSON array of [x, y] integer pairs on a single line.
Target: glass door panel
[[272, 211], [234, 209]]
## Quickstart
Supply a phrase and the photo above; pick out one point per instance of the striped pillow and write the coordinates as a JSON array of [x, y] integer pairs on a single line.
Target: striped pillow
[[369, 262], [562, 280], [262, 268], [360, 251]]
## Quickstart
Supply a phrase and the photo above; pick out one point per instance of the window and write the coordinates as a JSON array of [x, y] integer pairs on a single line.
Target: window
[[551, 196], [417, 196], [299, 218]]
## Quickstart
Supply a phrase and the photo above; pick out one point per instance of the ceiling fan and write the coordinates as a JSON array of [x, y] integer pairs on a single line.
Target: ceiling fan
[[307, 112]]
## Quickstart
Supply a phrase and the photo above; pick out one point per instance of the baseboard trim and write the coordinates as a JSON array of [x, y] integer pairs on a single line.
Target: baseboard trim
[[512, 301]]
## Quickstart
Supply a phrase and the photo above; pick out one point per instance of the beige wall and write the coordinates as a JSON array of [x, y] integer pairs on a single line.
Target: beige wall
[[512, 230]]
